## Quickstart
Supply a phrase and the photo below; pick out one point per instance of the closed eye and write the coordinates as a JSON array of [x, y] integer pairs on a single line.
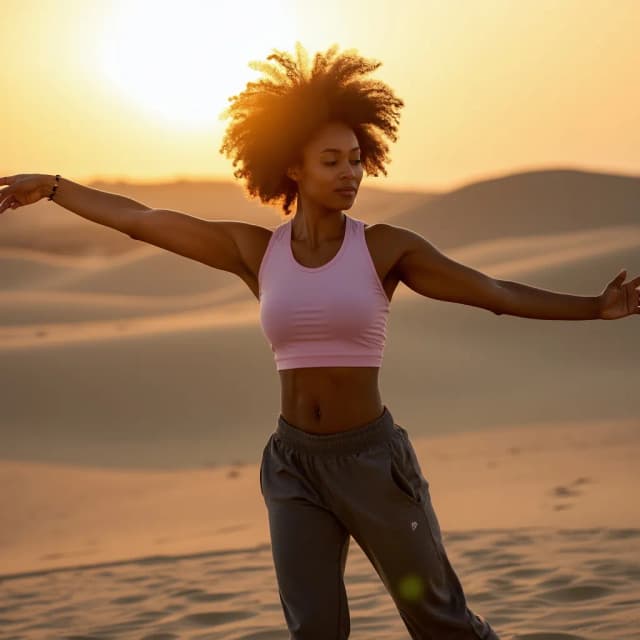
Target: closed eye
[[330, 164]]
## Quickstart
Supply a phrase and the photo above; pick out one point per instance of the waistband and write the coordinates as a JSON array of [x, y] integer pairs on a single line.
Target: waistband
[[372, 433]]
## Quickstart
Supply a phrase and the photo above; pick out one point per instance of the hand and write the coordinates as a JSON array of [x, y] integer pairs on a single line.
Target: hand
[[23, 189], [620, 300]]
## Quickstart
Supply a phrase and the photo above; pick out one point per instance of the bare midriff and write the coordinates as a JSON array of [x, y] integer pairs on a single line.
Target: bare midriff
[[325, 400]]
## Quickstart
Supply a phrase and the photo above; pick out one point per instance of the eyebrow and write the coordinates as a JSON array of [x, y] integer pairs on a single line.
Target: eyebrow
[[338, 150]]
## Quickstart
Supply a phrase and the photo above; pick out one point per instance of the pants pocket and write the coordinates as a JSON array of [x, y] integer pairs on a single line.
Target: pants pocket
[[264, 453], [404, 470]]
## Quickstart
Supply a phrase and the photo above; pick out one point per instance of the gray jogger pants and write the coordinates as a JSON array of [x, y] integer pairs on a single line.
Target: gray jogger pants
[[320, 489]]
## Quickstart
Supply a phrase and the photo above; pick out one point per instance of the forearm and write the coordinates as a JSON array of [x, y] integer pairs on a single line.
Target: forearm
[[109, 209], [519, 299]]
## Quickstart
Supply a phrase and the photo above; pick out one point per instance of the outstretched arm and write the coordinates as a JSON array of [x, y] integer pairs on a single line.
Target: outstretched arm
[[108, 209], [531, 302], [426, 270], [619, 299], [222, 244]]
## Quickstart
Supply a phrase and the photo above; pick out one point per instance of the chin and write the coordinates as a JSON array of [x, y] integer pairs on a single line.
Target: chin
[[347, 203]]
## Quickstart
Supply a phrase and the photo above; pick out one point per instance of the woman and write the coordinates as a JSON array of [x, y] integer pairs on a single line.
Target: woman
[[337, 465]]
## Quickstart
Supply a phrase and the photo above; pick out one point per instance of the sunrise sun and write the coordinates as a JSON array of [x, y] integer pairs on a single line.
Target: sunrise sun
[[178, 62]]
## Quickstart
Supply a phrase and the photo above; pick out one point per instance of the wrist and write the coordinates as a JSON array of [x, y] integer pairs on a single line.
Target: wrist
[[46, 185], [598, 301]]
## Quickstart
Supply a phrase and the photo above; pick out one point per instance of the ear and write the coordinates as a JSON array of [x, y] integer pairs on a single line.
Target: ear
[[294, 169], [293, 173]]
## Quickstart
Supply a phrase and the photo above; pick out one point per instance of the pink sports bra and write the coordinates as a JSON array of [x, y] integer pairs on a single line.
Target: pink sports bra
[[332, 315]]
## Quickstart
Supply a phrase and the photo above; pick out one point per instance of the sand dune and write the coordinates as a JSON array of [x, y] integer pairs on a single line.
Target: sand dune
[[113, 302], [229, 315], [532, 202]]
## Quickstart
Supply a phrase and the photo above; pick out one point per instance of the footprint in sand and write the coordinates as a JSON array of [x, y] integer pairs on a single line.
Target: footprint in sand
[[567, 491], [564, 492], [581, 480], [562, 507]]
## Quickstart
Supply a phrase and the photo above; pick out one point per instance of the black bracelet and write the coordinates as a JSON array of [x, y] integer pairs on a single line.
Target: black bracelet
[[55, 186]]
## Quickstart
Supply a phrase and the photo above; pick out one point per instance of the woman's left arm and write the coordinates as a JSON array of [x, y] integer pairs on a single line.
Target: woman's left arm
[[426, 270], [618, 300]]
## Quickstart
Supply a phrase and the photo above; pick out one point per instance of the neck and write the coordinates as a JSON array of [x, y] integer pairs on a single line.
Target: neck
[[315, 230]]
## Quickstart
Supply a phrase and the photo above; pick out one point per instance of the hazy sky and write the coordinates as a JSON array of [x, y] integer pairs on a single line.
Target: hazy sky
[[133, 90]]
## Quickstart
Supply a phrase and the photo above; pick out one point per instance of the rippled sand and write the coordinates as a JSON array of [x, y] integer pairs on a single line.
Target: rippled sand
[[542, 526], [530, 583]]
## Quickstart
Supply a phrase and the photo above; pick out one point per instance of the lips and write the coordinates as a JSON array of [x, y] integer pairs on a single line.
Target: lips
[[347, 190]]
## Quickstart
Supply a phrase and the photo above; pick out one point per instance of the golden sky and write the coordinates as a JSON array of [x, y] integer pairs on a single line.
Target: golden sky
[[126, 89]]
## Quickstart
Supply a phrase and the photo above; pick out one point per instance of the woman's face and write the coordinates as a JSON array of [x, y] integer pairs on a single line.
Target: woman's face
[[331, 160]]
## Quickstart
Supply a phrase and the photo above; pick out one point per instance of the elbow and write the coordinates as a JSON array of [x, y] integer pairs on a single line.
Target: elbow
[[133, 226]]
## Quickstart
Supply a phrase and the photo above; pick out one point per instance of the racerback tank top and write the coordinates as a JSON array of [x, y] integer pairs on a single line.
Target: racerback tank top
[[332, 315]]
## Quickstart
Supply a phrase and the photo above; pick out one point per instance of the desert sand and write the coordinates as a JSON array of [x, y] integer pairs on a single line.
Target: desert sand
[[541, 524], [130, 502]]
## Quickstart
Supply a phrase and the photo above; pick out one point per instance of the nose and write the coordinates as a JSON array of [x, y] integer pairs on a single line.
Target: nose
[[350, 172]]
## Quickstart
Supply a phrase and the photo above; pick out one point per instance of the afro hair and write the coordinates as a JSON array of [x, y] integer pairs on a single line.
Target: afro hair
[[273, 118]]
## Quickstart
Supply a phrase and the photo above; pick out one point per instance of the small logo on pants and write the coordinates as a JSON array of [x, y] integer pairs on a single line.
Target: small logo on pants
[[414, 524]]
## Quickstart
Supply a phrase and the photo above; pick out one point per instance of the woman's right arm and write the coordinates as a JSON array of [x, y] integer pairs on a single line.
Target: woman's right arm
[[109, 209], [223, 244]]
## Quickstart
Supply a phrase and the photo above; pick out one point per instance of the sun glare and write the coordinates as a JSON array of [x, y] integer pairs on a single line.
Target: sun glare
[[178, 62]]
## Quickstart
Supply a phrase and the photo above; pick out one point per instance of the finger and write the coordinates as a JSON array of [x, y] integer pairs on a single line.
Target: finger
[[7, 180], [4, 204], [618, 279], [6, 197]]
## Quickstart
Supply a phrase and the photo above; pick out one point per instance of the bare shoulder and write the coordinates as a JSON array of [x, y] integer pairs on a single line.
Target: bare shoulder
[[394, 234], [390, 241]]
